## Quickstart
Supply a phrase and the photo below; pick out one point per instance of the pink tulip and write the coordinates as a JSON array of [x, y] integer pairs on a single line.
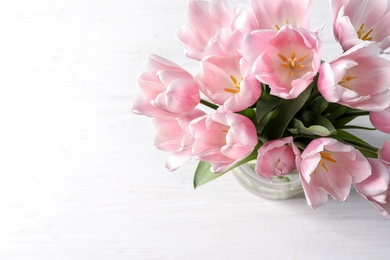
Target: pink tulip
[[356, 21], [244, 19], [204, 20], [225, 82], [376, 187], [277, 157], [384, 152], [359, 78], [276, 13], [223, 139], [167, 90], [331, 167], [287, 60], [381, 120], [173, 135], [225, 43]]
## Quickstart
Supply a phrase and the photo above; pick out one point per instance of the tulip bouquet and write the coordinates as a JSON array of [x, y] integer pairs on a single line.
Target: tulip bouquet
[[270, 98]]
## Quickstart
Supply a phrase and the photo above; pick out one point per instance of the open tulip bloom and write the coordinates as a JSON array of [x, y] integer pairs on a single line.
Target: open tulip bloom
[[271, 100]]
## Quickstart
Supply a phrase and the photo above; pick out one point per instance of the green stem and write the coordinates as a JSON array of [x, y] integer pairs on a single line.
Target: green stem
[[358, 113], [362, 145], [357, 127], [208, 104], [313, 95]]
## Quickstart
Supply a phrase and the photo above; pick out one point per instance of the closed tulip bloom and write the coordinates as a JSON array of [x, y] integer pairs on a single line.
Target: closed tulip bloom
[[331, 167], [277, 158], [223, 139], [287, 60], [359, 78], [167, 90], [356, 21], [381, 120], [173, 135]]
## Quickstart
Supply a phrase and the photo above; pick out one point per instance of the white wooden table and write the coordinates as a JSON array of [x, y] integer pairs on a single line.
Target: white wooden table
[[80, 179]]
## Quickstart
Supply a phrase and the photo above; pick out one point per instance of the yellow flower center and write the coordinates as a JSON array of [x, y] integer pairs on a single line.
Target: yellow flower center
[[278, 27], [236, 86], [225, 131], [363, 35], [292, 63], [345, 80], [325, 157]]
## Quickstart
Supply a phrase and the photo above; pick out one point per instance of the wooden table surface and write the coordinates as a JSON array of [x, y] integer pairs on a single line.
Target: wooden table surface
[[80, 178]]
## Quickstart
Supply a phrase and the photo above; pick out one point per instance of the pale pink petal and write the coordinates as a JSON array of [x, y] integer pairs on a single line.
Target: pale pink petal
[[315, 196], [156, 62], [377, 184], [223, 81], [182, 95], [333, 181], [225, 43], [215, 139], [173, 135], [376, 188], [384, 209], [167, 90], [276, 13], [345, 79], [329, 77], [356, 21], [244, 19], [384, 152], [256, 43], [141, 106], [330, 166], [277, 157], [150, 84], [287, 61], [381, 120], [241, 130], [168, 134], [204, 20], [216, 75], [175, 160]]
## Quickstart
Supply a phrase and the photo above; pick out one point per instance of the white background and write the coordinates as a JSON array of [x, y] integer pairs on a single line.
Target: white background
[[80, 178]]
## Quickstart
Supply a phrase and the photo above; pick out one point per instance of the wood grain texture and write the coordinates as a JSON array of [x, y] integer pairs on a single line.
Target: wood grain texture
[[80, 179]]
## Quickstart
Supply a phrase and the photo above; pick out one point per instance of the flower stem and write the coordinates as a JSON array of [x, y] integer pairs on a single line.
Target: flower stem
[[363, 145], [357, 127], [358, 113], [208, 104]]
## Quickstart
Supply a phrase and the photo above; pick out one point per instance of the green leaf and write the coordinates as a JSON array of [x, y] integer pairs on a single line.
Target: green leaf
[[342, 121], [335, 111], [249, 113], [318, 105], [350, 137], [365, 148], [349, 115], [203, 174], [367, 153], [299, 128], [283, 114], [312, 119], [265, 104]]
